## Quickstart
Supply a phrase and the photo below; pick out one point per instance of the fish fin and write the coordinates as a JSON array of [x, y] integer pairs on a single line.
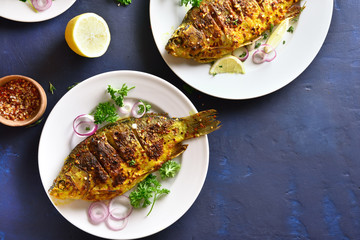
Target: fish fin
[[177, 150], [201, 123], [294, 10]]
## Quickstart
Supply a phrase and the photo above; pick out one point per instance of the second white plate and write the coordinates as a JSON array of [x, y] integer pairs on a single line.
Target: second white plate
[[22, 12], [293, 57]]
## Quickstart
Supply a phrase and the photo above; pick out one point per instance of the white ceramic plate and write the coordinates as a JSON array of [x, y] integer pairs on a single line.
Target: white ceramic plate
[[293, 58], [57, 140], [22, 12]]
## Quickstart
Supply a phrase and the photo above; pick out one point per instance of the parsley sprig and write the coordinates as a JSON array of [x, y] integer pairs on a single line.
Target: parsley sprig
[[169, 169], [147, 189], [105, 112], [194, 3], [124, 2], [118, 95]]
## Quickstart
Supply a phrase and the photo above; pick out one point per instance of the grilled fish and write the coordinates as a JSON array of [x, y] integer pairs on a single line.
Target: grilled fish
[[217, 27], [122, 154]]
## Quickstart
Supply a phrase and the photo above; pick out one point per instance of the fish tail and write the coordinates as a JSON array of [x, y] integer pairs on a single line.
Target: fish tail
[[201, 123]]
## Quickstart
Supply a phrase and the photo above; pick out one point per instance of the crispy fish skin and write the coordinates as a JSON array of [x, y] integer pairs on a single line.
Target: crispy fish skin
[[122, 154], [217, 27]]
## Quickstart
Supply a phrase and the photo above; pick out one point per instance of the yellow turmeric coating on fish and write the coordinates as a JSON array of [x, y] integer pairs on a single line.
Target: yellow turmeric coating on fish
[[122, 154], [217, 27]]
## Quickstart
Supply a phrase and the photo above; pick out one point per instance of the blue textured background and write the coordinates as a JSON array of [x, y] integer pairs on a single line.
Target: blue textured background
[[284, 166]]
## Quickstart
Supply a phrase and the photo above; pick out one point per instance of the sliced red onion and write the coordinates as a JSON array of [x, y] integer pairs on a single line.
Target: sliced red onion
[[120, 207], [126, 108], [84, 125], [41, 5], [260, 56], [266, 48], [98, 212], [135, 110], [115, 224], [239, 51]]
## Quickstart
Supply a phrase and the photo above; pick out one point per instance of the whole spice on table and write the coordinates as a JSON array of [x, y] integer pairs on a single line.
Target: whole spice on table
[[19, 100]]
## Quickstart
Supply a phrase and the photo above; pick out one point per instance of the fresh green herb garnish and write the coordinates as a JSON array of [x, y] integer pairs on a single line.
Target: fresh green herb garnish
[[291, 29], [284, 42], [271, 27], [243, 55], [70, 87], [265, 36], [105, 112], [132, 162], [51, 88], [194, 3], [23, 0], [124, 2], [258, 44], [142, 108], [35, 123], [118, 95], [147, 189], [169, 169]]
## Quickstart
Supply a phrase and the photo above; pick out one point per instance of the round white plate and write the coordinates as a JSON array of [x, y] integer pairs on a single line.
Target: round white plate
[[22, 12], [293, 57], [57, 140]]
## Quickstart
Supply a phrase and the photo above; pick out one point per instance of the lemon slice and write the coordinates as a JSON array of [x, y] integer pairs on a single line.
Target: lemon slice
[[277, 35], [88, 35], [227, 64]]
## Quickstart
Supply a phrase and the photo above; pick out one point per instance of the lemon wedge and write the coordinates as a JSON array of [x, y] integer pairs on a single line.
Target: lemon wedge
[[88, 35], [277, 35], [227, 64]]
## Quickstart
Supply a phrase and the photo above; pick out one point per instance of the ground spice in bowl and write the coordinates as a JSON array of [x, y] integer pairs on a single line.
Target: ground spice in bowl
[[22, 100]]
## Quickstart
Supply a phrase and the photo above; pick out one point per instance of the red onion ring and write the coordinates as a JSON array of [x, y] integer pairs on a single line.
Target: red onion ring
[[82, 122], [120, 207], [259, 56], [135, 110], [41, 5], [126, 108], [98, 212], [241, 58], [115, 224]]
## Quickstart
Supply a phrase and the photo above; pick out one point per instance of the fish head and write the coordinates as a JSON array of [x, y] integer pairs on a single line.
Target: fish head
[[71, 183], [186, 42]]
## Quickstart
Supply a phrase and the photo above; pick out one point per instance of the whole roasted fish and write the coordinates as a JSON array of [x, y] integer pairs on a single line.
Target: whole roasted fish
[[122, 154], [217, 27]]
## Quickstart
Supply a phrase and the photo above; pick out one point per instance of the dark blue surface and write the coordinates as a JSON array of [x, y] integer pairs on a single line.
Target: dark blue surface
[[283, 166]]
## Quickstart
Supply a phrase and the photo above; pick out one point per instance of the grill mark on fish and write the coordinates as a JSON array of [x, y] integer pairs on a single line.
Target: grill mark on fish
[[107, 157]]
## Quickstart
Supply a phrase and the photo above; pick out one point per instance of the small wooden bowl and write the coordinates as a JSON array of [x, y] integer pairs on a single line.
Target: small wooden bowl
[[40, 111]]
